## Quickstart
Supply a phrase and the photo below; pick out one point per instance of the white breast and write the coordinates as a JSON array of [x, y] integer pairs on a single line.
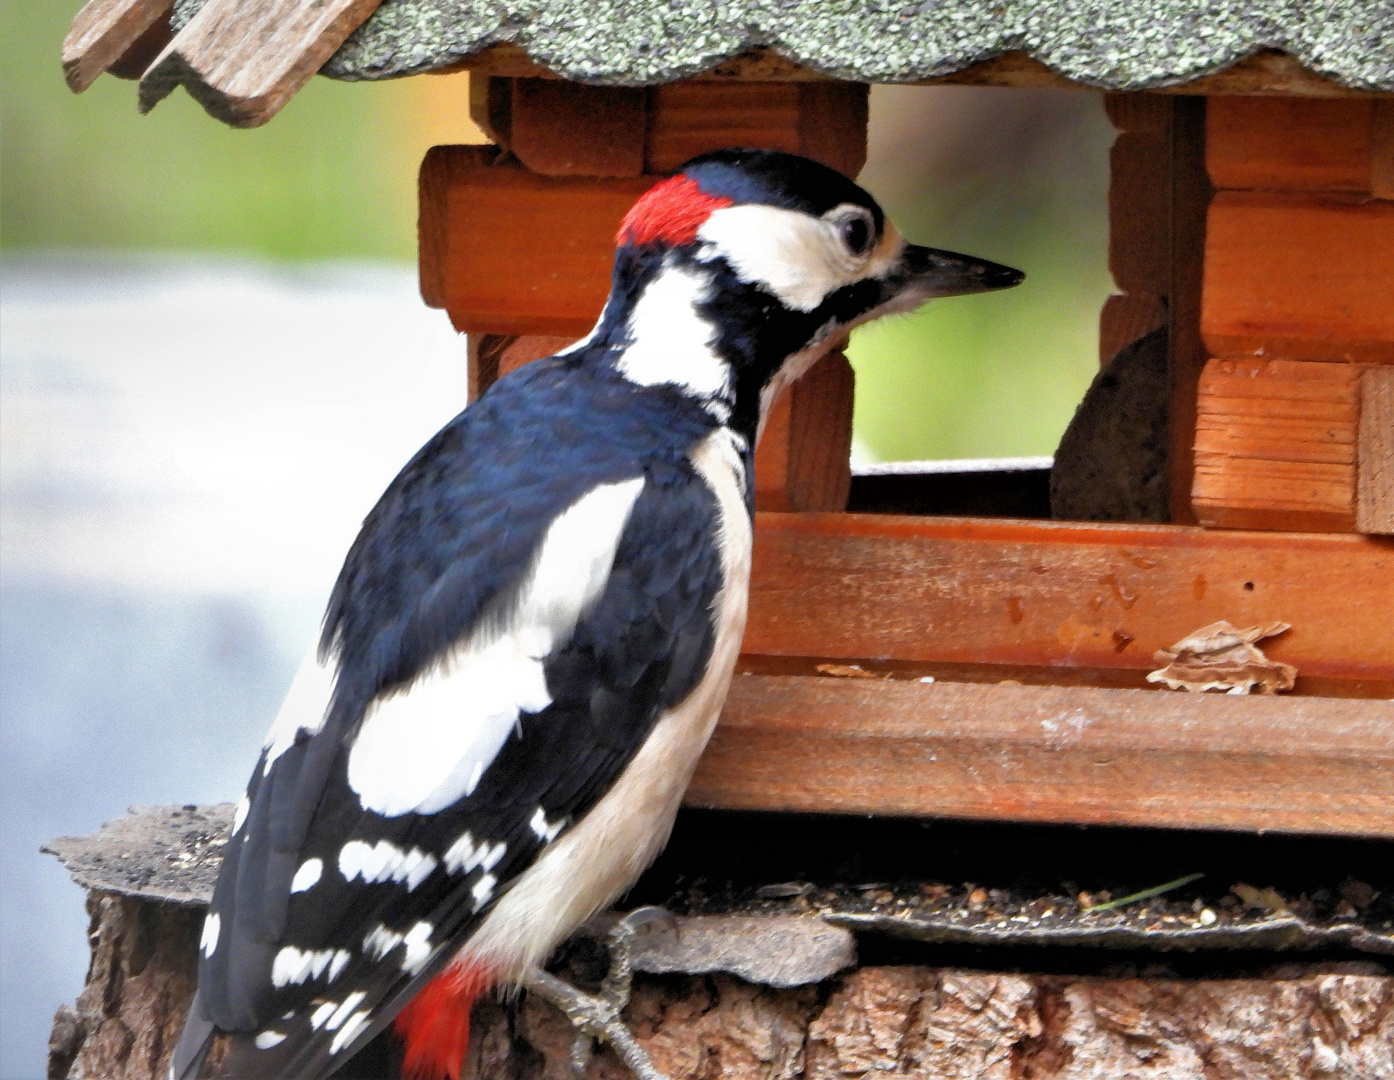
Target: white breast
[[592, 865]]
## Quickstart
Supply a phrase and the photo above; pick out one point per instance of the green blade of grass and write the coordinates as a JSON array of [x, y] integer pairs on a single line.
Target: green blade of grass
[[1146, 894]]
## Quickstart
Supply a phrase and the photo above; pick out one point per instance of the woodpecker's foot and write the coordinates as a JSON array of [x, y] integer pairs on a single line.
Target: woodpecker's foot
[[597, 1016]]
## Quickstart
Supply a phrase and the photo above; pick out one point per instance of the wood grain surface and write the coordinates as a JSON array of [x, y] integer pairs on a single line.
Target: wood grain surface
[[1276, 445], [103, 32], [1375, 496], [506, 251], [568, 129], [242, 60], [803, 459], [1290, 144], [1299, 277], [1059, 754], [1042, 593]]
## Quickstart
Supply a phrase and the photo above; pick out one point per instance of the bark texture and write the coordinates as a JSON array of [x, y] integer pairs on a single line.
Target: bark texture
[[945, 1024]]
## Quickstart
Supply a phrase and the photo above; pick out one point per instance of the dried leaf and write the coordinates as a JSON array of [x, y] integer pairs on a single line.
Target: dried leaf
[[847, 671], [1221, 657], [1268, 899]]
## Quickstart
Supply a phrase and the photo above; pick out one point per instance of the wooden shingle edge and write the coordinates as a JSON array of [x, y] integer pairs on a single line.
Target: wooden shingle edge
[[242, 60], [101, 34], [1052, 754]]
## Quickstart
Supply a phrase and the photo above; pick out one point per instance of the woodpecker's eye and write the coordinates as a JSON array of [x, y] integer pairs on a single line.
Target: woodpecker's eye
[[856, 233], [855, 227]]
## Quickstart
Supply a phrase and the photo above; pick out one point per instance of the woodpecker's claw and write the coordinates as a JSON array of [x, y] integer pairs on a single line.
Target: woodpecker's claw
[[598, 1016]]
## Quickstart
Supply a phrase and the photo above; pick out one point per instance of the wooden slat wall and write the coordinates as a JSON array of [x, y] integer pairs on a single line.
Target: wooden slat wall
[[1298, 299], [1053, 754], [1053, 594]]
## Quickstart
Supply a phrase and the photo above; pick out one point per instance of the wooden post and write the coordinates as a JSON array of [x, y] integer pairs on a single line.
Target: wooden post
[[1157, 198]]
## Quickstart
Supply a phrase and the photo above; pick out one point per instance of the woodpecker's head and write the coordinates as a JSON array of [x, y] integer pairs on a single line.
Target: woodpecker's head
[[732, 277]]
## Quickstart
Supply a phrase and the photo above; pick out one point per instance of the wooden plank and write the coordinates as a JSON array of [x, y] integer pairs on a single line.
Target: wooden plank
[[106, 30], [1289, 144], [1268, 71], [1375, 498], [803, 460], [568, 129], [825, 121], [1190, 200], [242, 60], [1057, 754], [492, 356], [1382, 149], [1299, 277], [1275, 445], [506, 251], [1049, 593]]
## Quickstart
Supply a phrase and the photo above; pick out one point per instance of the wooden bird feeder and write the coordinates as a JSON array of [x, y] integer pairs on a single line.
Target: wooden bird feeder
[[902, 659], [1251, 219]]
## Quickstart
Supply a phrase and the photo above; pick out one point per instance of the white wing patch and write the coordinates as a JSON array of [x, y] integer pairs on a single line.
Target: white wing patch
[[303, 709], [428, 746], [208, 940], [464, 854], [307, 877], [383, 861], [293, 966]]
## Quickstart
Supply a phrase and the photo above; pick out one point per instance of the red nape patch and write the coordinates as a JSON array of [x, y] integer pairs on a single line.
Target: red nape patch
[[436, 1025], [669, 213]]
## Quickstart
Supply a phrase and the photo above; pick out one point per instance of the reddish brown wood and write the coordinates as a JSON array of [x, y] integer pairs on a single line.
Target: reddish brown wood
[[1125, 318], [242, 61], [1299, 277], [104, 31], [1038, 593], [1139, 194], [568, 129], [1375, 501], [506, 251], [825, 121], [1382, 149], [1289, 144], [803, 461], [1275, 445], [1058, 754], [1190, 199]]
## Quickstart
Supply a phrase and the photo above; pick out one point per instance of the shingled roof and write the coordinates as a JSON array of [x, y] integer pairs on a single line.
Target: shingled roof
[[1114, 44], [229, 53]]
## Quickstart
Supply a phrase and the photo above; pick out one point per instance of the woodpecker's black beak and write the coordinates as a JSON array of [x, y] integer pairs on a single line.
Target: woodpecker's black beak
[[927, 273]]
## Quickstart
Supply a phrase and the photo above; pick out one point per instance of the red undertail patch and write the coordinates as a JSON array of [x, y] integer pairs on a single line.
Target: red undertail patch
[[668, 213], [435, 1025]]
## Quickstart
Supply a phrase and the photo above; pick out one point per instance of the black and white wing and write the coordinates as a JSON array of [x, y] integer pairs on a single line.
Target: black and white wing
[[519, 610]]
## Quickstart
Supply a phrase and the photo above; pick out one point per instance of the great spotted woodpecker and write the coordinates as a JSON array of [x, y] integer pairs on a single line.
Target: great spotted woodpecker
[[530, 640]]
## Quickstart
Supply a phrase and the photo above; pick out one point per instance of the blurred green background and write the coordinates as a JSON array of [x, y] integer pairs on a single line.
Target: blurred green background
[[1016, 176]]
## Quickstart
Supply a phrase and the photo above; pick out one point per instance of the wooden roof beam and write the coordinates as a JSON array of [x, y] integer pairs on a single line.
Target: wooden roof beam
[[105, 32], [242, 60]]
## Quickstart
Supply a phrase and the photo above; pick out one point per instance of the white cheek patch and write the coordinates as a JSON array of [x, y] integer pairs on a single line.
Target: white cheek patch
[[425, 748], [798, 258], [670, 341]]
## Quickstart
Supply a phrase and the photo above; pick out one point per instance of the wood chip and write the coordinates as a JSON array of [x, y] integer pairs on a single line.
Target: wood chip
[[846, 671], [1221, 657]]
